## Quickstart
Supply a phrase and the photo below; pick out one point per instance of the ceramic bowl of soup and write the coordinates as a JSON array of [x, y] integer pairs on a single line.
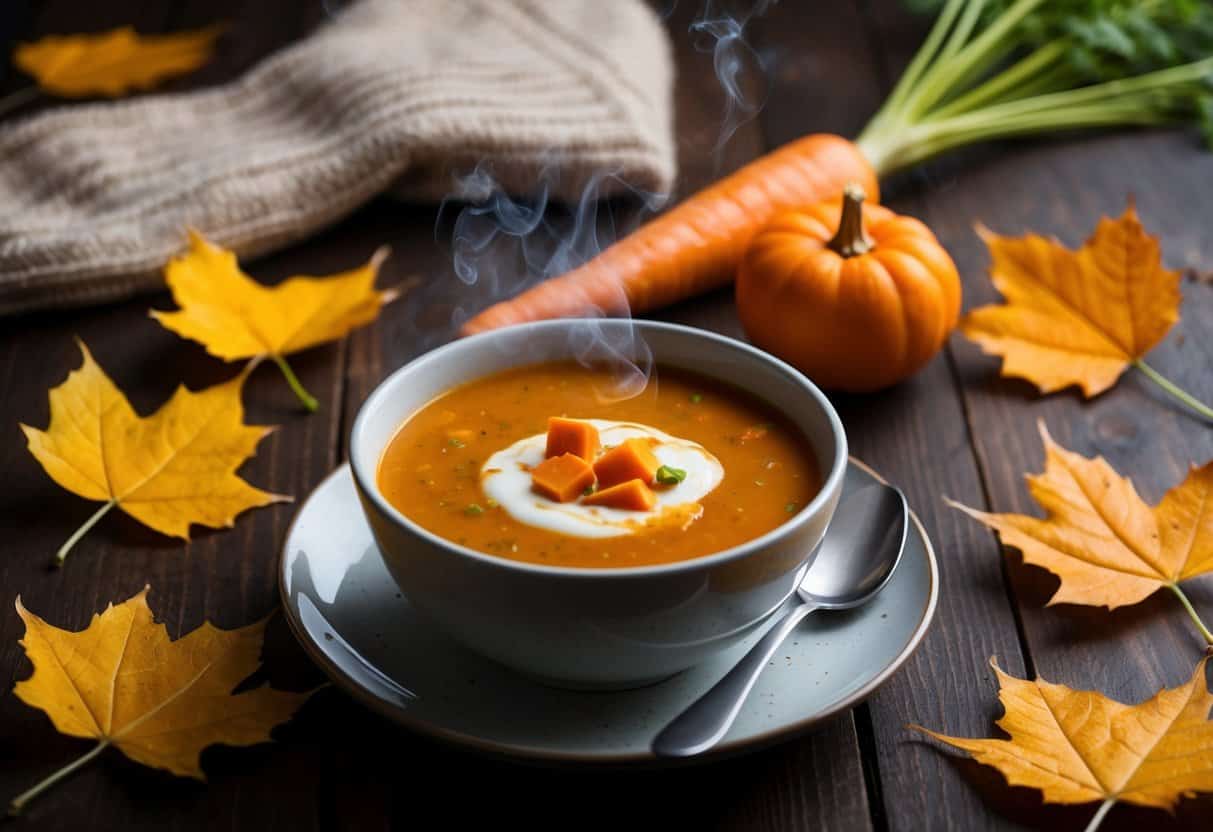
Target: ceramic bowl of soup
[[582, 589]]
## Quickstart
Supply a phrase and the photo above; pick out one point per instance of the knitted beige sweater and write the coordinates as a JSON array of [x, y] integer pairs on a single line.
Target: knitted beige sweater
[[94, 199]]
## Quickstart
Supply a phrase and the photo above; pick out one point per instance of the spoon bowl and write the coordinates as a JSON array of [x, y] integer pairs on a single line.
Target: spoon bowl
[[860, 550], [855, 560]]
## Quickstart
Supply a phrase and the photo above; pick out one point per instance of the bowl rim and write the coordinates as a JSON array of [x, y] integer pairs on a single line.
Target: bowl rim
[[829, 487]]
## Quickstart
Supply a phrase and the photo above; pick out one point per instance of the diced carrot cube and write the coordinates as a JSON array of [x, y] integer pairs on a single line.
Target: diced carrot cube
[[572, 436], [562, 478], [633, 495], [631, 460]]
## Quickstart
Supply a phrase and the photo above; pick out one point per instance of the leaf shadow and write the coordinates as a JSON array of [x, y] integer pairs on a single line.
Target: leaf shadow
[[267, 398], [49, 515], [982, 373], [1023, 392], [35, 511], [1161, 398], [284, 664], [33, 749], [1025, 806], [120, 530], [195, 367], [1035, 585]]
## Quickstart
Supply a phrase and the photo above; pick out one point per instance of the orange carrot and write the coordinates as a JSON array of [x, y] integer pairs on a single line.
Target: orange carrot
[[696, 245]]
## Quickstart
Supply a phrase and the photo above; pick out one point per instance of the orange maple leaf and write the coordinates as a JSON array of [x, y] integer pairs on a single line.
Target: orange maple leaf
[[1078, 746], [1108, 547], [236, 317], [1079, 317], [114, 62], [1076, 317], [123, 683], [167, 470]]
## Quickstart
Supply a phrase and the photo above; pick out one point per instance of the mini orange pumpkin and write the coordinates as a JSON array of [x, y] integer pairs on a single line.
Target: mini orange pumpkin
[[855, 302]]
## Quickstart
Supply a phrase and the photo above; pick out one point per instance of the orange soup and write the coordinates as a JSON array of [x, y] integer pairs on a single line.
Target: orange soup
[[533, 464]]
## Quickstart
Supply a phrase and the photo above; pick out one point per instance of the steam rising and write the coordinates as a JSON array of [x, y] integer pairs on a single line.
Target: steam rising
[[503, 245], [721, 31]]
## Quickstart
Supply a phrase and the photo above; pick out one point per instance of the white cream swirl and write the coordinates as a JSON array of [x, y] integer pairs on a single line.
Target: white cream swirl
[[506, 479]]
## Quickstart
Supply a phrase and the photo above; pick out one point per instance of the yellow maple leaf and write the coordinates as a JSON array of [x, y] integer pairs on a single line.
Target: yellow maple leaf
[[114, 62], [1078, 746], [124, 683], [1079, 317], [1101, 539], [235, 317], [168, 470]]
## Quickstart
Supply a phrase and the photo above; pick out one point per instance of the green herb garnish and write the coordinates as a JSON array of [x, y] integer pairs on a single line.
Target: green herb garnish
[[670, 476], [473, 509], [589, 489], [696, 398], [789, 508], [455, 443]]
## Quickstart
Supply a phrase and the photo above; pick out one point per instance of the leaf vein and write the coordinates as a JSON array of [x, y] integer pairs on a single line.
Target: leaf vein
[[1116, 531]]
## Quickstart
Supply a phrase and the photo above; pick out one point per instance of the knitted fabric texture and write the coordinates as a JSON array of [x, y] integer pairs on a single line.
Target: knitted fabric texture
[[404, 95]]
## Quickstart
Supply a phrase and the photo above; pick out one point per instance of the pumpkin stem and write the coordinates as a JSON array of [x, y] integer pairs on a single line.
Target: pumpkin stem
[[851, 241]]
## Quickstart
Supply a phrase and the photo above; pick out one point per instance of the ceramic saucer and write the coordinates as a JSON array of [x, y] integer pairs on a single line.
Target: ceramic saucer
[[349, 616]]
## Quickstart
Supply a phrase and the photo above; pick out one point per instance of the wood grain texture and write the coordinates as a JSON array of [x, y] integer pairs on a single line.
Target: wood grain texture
[[1132, 652], [915, 434], [224, 576], [1137, 429], [812, 783], [955, 429], [388, 778], [1061, 187]]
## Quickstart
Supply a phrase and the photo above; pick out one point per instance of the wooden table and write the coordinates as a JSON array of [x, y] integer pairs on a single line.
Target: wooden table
[[956, 429]]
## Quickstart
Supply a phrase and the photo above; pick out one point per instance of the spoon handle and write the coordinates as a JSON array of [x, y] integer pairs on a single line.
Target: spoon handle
[[709, 718]]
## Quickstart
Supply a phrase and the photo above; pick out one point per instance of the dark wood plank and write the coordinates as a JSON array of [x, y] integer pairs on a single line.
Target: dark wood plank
[[227, 577], [388, 777], [339, 766], [27, 21], [252, 30], [1062, 187], [15, 26], [813, 783], [1139, 431], [915, 434], [1130, 653]]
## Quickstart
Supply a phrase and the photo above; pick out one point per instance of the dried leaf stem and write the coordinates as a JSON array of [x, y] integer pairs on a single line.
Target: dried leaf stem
[[1191, 610], [1174, 390], [1098, 817], [17, 805], [308, 400], [61, 555]]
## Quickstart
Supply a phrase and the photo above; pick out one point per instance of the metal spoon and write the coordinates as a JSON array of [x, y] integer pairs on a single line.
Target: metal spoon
[[856, 559]]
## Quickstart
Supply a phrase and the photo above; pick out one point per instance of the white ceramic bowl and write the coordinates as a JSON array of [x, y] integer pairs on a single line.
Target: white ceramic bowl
[[607, 628]]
